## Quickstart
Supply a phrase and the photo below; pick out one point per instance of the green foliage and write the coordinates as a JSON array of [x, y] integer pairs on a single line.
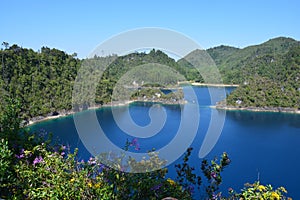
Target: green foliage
[[237, 65], [268, 74], [9, 118], [43, 174], [6, 159], [42, 81], [186, 176], [275, 84], [212, 172], [258, 191]]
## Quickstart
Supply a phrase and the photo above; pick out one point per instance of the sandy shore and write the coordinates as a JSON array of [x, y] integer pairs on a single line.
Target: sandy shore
[[208, 84], [41, 118], [214, 85]]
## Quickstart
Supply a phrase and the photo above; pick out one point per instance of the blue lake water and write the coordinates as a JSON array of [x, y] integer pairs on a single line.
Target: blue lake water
[[258, 143]]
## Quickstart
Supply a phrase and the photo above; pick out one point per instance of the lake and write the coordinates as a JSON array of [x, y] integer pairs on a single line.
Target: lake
[[260, 144]]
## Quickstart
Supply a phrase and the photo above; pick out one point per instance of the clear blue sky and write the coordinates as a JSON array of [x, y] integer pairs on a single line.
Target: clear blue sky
[[79, 26]]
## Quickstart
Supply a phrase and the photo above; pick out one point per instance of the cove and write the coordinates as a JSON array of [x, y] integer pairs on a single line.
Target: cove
[[260, 144]]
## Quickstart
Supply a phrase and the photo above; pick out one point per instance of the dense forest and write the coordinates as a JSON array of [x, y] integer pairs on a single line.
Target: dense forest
[[268, 74], [43, 80]]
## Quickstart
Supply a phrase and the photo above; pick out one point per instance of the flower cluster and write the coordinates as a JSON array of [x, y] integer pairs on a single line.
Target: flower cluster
[[134, 143], [37, 160]]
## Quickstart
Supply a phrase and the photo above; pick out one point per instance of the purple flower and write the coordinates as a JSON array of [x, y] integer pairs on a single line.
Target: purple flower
[[38, 160], [215, 196], [21, 154], [213, 175], [92, 161], [134, 143], [137, 147], [156, 187]]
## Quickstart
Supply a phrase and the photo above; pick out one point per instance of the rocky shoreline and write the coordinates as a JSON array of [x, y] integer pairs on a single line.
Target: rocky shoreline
[[258, 109]]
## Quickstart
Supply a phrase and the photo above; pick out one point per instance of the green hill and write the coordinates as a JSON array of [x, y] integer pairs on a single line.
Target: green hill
[[272, 82], [43, 81], [236, 65], [268, 73]]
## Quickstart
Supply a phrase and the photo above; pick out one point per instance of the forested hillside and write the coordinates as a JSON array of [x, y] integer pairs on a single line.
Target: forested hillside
[[273, 82], [43, 81], [237, 65], [268, 73]]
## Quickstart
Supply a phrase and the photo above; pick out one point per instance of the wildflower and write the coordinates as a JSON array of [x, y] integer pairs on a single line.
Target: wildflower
[[230, 190], [213, 175], [27, 153], [274, 196], [156, 187], [97, 185], [72, 180], [171, 181], [261, 188], [21, 154], [38, 160], [134, 143], [216, 196], [92, 161], [90, 184], [283, 189]]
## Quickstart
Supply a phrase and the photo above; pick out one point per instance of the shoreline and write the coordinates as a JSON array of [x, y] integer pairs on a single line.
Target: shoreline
[[258, 109], [70, 112], [62, 114], [214, 85], [209, 84]]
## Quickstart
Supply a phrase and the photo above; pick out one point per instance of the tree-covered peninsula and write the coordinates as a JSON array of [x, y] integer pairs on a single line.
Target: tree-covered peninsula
[[268, 75], [43, 80]]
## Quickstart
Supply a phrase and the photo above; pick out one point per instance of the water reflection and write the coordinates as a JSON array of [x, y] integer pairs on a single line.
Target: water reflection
[[264, 118]]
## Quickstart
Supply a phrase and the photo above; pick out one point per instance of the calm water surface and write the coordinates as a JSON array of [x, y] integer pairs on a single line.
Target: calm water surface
[[264, 145]]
